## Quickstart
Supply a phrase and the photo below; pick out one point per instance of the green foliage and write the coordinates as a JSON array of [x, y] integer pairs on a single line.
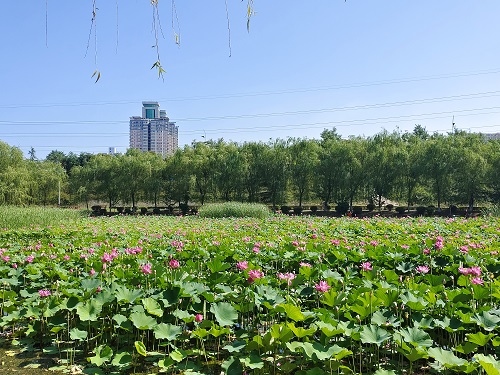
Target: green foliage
[[249, 295], [12, 217], [234, 209]]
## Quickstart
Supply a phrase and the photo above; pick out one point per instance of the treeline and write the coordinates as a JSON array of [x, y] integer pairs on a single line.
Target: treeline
[[416, 168]]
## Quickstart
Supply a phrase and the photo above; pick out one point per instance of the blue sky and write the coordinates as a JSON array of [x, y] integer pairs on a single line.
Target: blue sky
[[359, 66]]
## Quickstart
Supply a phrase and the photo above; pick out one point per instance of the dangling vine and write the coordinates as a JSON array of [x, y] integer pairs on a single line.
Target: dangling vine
[[93, 29]]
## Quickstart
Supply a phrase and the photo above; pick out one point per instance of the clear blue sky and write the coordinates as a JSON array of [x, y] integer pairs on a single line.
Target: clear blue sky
[[359, 66]]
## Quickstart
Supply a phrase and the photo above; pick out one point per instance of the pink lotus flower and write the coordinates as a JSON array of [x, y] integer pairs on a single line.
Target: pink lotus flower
[[146, 269], [477, 281], [198, 318], [427, 251], [475, 271], [304, 264], [44, 292], [366, 266], [29, 259], [66, 257], [464, 249], [422, 269], [463, 271], [289, 276], [322, 286], [242, 265], [254, 275], [174, 264], [256, 249]]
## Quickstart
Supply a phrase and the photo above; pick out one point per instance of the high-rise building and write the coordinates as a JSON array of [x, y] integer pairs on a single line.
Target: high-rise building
[[153, 131]]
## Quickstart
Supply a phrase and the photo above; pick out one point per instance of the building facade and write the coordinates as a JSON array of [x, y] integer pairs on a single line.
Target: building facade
[[153, 131]]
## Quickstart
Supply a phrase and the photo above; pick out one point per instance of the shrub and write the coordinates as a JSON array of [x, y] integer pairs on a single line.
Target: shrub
[[156, 211], [400, 210], [421, 210], [234, 209], [342, 207], [357, 210], [429, 211], [285, 209], [144, 210], [314, 208], [370, 207], [184, 207], [389, 207], [297, 210]]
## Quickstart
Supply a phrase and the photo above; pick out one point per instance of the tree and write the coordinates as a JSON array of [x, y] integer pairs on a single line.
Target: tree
[[470, 167], [275, 172], [384, 164], [229, 166], [134, 171], [177, 177], [303, 162], [14, 176]]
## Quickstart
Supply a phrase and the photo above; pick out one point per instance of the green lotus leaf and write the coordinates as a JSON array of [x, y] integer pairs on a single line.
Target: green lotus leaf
[[171, 296], [235, 346], [123, 294], [90, 284], [413, 302], [122, 359], [372, 334], [78, 335], [412, 354], [167, 331], [232, 366], [141, 348], [292, 312], [253, 361], [216, 331], [183, 315], [89, 310], [142, 321], [385, 318], [416, 337], [301, 332], [217, 265], [479, 338], [225, 313], [152, 307], [281, 332], [103, 354], [446, 357], [489, 364], [486, 320], [384, 372], [178, 355]]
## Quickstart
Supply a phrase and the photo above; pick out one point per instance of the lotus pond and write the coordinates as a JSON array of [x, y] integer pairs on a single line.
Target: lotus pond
[[294, 295]]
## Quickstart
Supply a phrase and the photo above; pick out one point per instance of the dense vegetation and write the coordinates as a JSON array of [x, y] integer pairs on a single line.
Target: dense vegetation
[[187, 295], [412, 168]]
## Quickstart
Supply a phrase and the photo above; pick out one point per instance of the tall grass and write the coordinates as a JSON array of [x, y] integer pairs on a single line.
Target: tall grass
[[12, 217], [234, 209]]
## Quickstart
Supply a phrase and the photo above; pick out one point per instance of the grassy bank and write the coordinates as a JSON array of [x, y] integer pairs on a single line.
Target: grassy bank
[[18, 217]]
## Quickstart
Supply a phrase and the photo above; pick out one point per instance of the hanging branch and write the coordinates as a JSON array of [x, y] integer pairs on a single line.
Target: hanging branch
[[177, 35], [250, 13], [156, 26], [93, 27]]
